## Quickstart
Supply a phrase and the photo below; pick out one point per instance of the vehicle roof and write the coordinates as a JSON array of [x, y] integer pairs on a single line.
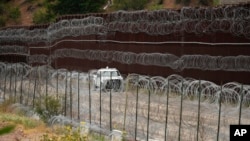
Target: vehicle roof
[[108, 69]]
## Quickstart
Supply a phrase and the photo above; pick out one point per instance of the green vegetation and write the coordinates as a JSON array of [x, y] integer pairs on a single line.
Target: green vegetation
[[7, 129], [216, 2], [13, 117], [155, 5], [48, 107], [185, 2], [41, 16], [46, 11], [9, 13], [16, 119], [67, 133], [54, 8], [62, 7], [2, 21], [130, 4], [205, 2], [14, 14]]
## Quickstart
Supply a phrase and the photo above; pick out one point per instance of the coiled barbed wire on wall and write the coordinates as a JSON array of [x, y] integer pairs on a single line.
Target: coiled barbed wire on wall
[[203, 20], [38, 58], [27, 84], [201, 62], [231, 91], [8, 49]]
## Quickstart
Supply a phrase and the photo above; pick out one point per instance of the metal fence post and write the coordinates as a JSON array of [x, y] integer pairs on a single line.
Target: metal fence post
[[15, 79], [166, 118], [70, 96], [10, 97], [65, 96], [125, 113], [78, 96], [149, 94], [27, 98], [181, 106], [34, 94], [219, 100], [199, 104], [57, 83], [89, 98], [21, 95], [241, 100], [46, 87], [136, 109], [5, 77], [100, 100], [110, 102]]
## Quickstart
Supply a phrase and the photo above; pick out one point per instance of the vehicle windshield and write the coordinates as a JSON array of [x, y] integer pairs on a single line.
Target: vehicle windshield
[[109, 73]]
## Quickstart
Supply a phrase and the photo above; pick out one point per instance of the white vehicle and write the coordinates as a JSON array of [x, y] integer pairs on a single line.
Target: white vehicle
[[107, 79]]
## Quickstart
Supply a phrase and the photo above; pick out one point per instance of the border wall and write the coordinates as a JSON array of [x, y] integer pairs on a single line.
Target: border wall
[[202, 43]]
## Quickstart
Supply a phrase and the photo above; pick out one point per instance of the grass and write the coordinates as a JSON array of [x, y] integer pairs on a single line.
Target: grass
[[7, 129], [11, 121], [27, 122]]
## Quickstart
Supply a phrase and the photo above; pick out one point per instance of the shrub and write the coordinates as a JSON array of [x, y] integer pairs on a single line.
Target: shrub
[[62, 7], [216, 2], [2, 8], [178, 1], [14, 13], [186, 2], [48, 107], [204, 2], [156, 7], [130, 4], [2, 21], [42, 17]]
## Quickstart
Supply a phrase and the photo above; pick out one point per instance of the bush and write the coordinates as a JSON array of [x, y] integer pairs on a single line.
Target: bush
[[130, 4], [14, 13], [156, 7], [185, 2], [42, 17], [62, 7], [2, 21], [2, 8], [204, 2], [48, 107], [178, 1]]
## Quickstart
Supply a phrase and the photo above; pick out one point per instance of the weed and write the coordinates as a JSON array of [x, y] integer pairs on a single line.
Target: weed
[[72, 134], [16, 119]]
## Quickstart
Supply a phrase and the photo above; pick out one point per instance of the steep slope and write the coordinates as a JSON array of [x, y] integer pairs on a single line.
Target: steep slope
[[28, 7]]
